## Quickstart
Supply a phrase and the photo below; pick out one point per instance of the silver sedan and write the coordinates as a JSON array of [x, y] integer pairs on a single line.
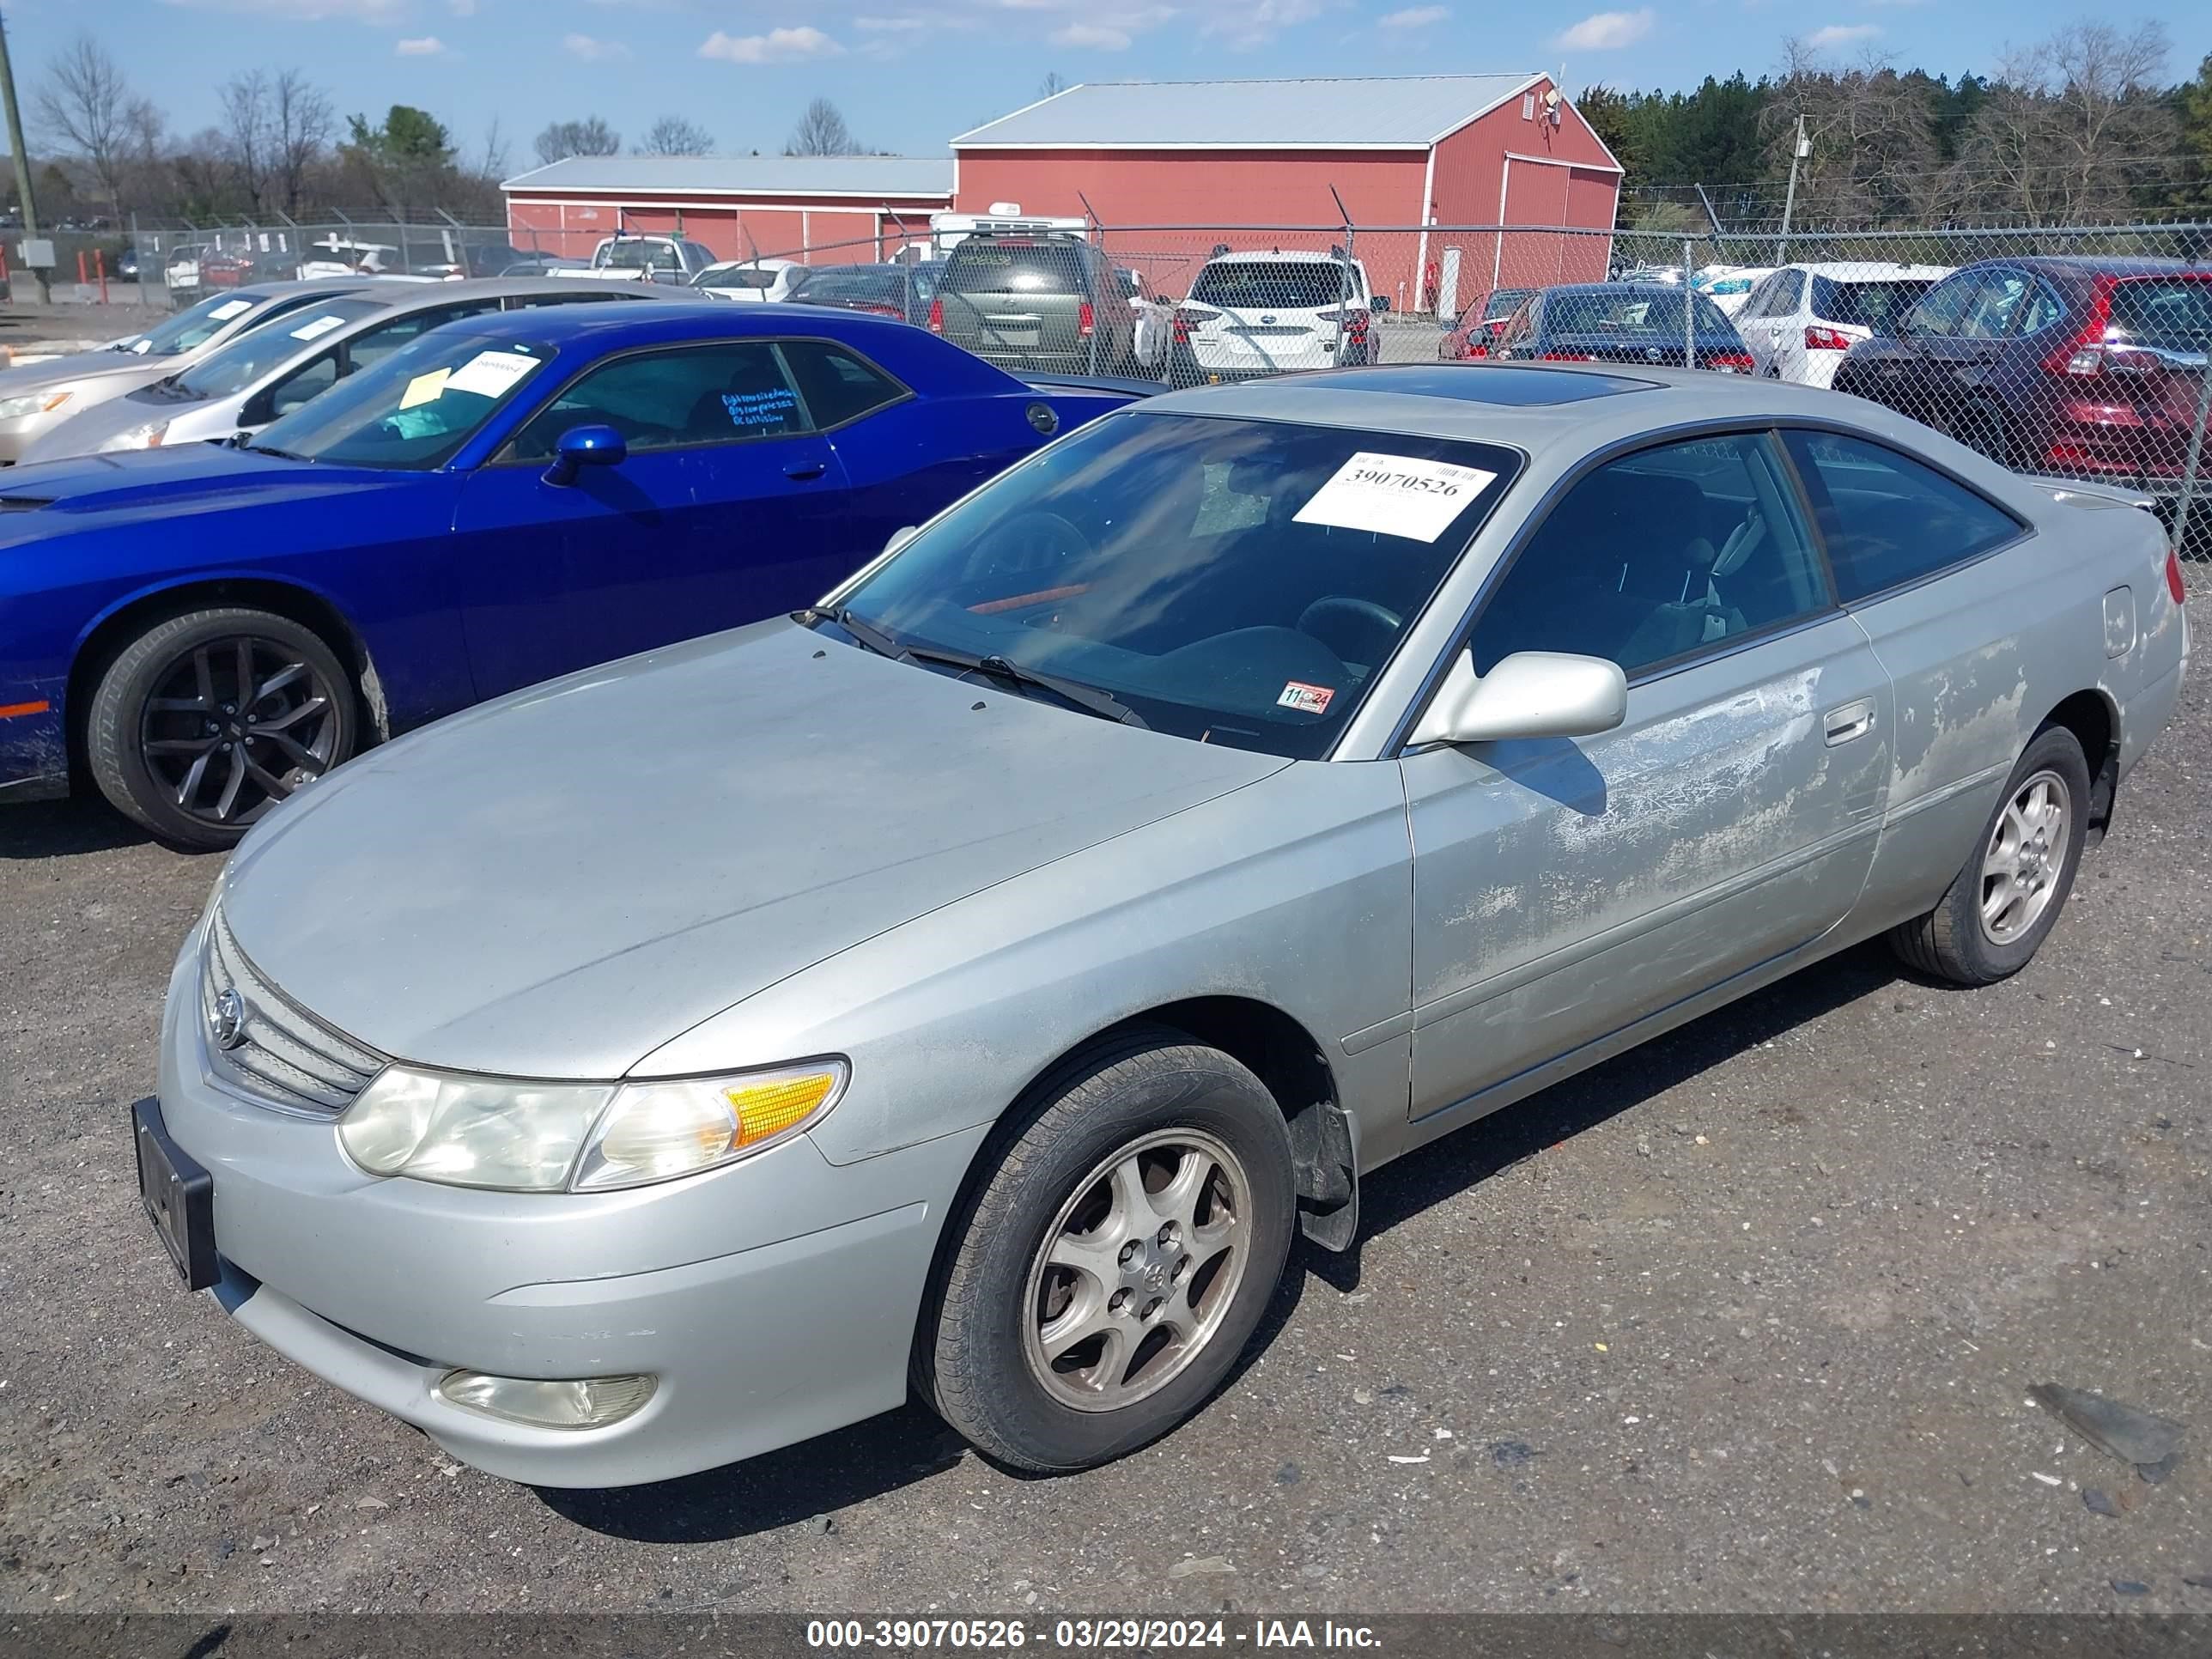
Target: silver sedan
[[980, 978]]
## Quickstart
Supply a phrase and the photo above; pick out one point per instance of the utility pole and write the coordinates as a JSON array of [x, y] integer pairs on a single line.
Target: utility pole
[[1799, 149], [22, 159]]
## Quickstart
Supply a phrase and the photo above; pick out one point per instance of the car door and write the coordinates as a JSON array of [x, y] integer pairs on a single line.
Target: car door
[[721, 514], [1897, 372], [1566, 890], [1785, 328], [1959, 369]]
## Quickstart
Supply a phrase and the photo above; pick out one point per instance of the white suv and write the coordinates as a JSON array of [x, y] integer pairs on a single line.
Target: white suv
[[1250, 314], [1798, 324]]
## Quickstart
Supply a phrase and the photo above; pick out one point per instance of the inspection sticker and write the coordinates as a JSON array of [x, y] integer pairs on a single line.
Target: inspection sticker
[[489, 374], [424, 388], [1307, 699], [228, 309], [1395, 495], [317, 329]]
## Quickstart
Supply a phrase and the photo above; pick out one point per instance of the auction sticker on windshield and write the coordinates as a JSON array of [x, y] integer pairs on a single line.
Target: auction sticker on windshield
[[228, 309], [317, 329], [489, 374], [1395, 495]]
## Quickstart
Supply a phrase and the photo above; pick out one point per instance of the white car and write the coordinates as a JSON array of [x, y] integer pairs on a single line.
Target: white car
[[1250, 314], [1729, 286], [756, 282], [1800, 321]]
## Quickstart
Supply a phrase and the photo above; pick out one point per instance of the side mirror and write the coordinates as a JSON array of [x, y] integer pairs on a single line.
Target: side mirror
[[1530, 693], [581, 447]]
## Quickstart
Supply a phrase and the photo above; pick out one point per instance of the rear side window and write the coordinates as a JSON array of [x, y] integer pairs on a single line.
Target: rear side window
[[675, 399], [1014, 268], [2173, 313], [1789, 291], [838, 386], [1886, 518], [1879, 305], [1293, 286]]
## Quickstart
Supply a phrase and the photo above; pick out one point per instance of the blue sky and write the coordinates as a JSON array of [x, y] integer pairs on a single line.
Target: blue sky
[[908, 74]]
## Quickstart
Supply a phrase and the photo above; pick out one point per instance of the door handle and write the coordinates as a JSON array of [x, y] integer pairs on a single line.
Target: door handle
[[806, 472], [1853, 719]]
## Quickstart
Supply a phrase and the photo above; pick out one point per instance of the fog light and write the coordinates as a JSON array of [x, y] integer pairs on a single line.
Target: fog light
[[587, 1402]]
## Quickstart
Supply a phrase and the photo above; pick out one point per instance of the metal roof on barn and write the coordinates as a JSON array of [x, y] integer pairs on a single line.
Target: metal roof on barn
[[874, 177], [1381, 111]]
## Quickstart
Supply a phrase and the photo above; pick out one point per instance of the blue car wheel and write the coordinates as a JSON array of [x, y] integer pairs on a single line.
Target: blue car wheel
[[204, 722]]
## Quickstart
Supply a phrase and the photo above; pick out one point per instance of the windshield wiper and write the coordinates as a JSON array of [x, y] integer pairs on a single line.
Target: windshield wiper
[[281, 454], [1088, 698]]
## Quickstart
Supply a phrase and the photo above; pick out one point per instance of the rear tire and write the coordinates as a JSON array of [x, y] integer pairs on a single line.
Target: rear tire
[[1984, 930], [206, 720], [1106, 1275]]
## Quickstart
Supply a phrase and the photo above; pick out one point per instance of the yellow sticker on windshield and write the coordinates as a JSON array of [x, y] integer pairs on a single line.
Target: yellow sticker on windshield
[[424, 389]]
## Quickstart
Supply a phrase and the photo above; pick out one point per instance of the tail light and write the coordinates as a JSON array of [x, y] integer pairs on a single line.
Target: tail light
[[1086, 320], [1731, 362], [2173, 574], [937, 316], [1187, 318], [1353, 320], [880, 311], [2084, 353], [1475, 349], [1825, 340], [1569, 357]]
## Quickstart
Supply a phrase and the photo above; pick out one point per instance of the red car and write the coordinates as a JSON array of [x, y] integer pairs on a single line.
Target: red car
[[224, 270], [1481, 324], [2075, 366]]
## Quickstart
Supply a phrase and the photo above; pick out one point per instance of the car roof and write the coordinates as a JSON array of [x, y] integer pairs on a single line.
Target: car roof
[[1652, 290], [2086, 264], [679, 315], [1284, 255], [1556, 406], [1867, 270]]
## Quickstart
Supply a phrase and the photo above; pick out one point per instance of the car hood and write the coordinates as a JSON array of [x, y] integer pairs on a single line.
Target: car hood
[[113, 371], [559, 883], [139, 486], [81, 435]]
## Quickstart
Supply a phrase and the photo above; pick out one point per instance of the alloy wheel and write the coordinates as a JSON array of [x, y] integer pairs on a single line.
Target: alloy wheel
[[1137, 1270], [2027, 856], [235, 725]]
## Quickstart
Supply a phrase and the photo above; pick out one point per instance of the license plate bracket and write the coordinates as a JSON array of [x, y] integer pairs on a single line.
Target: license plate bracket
[[177, 1196]]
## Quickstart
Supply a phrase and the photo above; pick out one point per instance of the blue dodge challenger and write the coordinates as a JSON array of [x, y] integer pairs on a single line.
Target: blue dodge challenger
[[201, 631]]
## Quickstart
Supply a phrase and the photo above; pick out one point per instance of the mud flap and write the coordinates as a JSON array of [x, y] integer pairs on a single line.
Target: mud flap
[[1329, 1182]]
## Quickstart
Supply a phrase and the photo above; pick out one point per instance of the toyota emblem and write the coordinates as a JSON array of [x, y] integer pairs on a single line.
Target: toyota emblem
[[226, 1021]]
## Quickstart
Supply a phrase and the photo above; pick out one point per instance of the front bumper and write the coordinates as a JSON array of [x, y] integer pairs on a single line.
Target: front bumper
[[773, 1300]]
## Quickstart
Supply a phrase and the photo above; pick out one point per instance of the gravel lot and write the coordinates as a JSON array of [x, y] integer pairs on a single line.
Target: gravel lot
[[1741, 1322]]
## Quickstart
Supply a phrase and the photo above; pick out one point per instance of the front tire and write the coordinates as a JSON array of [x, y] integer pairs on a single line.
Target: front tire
[[2005, 901], [1107, 1275], [203, 722]]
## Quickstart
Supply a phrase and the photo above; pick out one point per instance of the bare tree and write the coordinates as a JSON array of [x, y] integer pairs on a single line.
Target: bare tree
[[821, 131], [589, 137], [1874, 153], [86, 104], [672, 135], [246, 128], [491, 159], [2070, 120], [1053, 85], [300, 125]]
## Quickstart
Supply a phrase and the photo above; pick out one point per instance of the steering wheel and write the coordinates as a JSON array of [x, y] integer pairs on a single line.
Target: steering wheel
[[1337, 620], [1034, 540]]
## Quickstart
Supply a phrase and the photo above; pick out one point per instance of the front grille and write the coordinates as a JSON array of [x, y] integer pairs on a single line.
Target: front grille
[[285, 1055]]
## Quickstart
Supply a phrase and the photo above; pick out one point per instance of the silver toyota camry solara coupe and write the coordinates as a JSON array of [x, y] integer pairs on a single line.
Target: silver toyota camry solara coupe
[[972, 983]]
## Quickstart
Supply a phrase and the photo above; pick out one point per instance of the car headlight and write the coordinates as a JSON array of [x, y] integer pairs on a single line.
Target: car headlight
[[138, 437], [35, 403], [522, 1136]]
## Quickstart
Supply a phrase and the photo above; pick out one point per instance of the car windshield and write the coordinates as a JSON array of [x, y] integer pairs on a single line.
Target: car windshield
[[415, 409], [635, 255], [1632, 314], [189, 330], [2173, 313], [1879, 306], [259, 350], [735, 277], [1292, 285], [853, 286], [1504, 303], [992, 267], [1233, 581]]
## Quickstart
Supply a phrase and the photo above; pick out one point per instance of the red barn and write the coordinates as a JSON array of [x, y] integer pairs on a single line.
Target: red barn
[[843, 209], [1230, 160]]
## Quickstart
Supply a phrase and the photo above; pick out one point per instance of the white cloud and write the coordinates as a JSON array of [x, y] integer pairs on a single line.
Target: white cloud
[[1605, 31], [425, 45], [1090, 37], [1255, 22], [890, 25], [1414, 17], [462, 8], [777, 45], [1841, 35], [592, 49]]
